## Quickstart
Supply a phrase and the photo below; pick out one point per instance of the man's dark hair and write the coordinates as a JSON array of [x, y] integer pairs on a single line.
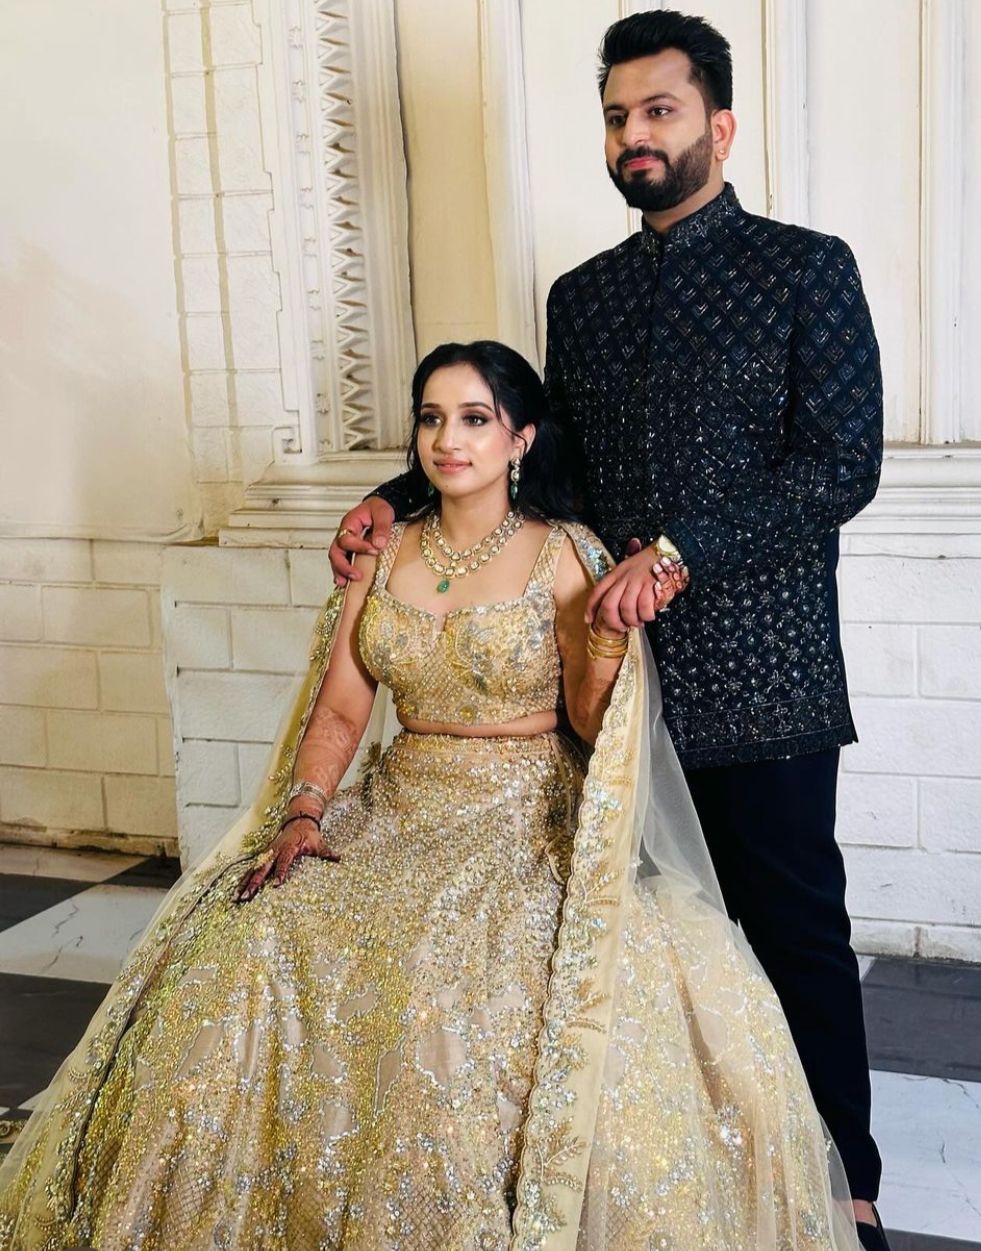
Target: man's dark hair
[[647, 34]]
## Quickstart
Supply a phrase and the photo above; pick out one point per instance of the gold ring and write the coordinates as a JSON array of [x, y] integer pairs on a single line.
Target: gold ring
[[267, 857], [341, 533]]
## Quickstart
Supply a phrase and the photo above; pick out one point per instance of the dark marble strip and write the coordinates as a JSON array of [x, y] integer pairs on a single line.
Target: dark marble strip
[[23, 895], [926, 1242], [924, 1018], [42, 1020], [158, 871]]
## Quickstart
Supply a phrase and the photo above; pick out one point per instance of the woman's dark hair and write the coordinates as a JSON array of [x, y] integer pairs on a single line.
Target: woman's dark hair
[[549, 483], [647, 34]]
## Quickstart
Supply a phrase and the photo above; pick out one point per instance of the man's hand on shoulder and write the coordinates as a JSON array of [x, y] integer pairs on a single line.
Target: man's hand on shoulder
[[634, 592], [372, 517]]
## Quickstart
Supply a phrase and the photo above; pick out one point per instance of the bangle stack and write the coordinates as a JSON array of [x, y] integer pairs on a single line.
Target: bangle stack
[[602, 647], [316, 792], [307, 788]]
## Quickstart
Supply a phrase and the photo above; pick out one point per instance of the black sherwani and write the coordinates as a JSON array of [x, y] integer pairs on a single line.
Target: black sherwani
[[724, 380]]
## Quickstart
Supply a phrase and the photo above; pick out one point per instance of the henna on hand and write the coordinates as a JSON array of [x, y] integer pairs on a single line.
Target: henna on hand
[[300, 838], [326, 749]]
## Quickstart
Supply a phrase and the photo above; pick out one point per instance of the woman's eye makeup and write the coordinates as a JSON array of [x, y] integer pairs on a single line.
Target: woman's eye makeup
[[471, 419]]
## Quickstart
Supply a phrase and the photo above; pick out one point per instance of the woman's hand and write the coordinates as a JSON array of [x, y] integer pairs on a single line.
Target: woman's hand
[[300, 838]]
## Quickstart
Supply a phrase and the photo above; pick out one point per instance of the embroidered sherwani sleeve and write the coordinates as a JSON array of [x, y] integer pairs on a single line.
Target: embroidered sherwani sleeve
[[401, 493], [830, 468]]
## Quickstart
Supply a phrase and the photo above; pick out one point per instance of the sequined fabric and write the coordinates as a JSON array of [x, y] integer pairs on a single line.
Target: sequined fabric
[[723, 384], [344, 1062], [490, 664]]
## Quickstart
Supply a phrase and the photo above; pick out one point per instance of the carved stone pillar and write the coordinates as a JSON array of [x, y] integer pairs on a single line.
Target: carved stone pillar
[[332, 130]]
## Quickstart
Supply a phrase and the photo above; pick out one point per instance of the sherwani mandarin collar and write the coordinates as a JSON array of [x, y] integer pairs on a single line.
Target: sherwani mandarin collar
[[720, 213]]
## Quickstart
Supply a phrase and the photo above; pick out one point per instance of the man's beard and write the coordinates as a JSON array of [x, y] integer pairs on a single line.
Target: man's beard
[[682, 178]]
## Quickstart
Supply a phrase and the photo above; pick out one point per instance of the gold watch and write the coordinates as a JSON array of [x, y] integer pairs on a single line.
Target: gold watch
[[666, 550]]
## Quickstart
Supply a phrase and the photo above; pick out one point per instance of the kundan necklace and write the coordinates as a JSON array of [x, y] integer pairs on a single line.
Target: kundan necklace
[[450, 564]]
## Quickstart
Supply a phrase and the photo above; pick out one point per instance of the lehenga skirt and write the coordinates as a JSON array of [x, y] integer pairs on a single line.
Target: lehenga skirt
[[344, 1061]]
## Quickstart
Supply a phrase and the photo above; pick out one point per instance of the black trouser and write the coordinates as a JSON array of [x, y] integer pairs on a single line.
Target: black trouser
[[770, 830]]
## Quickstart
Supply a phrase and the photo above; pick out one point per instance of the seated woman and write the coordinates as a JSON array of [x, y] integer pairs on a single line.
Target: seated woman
[[485, 998]]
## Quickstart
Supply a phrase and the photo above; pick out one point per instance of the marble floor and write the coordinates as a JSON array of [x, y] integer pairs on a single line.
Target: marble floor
[[67, 920]]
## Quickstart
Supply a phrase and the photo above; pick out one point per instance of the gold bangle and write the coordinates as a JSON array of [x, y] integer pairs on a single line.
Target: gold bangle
[[308, 788], [620, 645], [602, 647], [605, 655], [606, 638], [614, 649], [603, 641]]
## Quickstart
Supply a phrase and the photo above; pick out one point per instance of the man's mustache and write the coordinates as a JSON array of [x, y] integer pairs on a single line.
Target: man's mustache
[[632, 154]]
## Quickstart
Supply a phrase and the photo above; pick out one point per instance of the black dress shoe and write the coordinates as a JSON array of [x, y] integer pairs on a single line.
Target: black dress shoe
[[872, 1237]]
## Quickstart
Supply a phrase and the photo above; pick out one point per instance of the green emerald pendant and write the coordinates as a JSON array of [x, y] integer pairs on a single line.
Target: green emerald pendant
[[443, 585]]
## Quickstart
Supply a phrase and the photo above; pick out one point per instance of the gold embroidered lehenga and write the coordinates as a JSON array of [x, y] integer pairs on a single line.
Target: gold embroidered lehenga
[[513, 1016]]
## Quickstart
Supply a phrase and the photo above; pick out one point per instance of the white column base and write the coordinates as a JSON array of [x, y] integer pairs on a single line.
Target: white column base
[[302, 505]]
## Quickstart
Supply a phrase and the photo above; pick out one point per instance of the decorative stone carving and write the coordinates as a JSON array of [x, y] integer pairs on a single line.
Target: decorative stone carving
[[331, 118]]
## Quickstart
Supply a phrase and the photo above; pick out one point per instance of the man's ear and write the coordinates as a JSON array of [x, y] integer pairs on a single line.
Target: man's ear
[[723, 133]]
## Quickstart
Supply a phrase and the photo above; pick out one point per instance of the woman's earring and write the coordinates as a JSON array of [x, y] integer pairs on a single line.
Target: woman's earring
[[430, 489], [515, 478]]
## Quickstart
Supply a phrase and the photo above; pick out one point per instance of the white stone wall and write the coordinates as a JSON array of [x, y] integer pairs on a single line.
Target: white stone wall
[[86, 754], [237, 627], [910, 791], [158, 405]]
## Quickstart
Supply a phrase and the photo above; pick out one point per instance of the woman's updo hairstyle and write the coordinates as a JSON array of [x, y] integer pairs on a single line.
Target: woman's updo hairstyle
[[548, 486]]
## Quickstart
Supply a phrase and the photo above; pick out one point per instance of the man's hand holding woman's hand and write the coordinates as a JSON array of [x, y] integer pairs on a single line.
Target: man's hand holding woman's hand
[[374, 516], [630, 595]]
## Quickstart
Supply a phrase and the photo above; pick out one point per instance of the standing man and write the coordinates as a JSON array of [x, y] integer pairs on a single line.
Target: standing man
[[721, 375]]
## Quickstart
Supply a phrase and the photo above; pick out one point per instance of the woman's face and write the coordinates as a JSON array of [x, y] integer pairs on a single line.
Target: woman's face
[[464, 447]]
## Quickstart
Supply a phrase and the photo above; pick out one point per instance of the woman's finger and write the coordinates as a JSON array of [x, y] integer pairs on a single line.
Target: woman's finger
[[252, 883], [647, 603], [664, 593], [284, 862], [608, 614]]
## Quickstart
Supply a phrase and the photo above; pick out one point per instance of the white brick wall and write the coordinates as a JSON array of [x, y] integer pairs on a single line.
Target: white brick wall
[[237, 628], [86, 751], [86, 742], [910, 791]]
